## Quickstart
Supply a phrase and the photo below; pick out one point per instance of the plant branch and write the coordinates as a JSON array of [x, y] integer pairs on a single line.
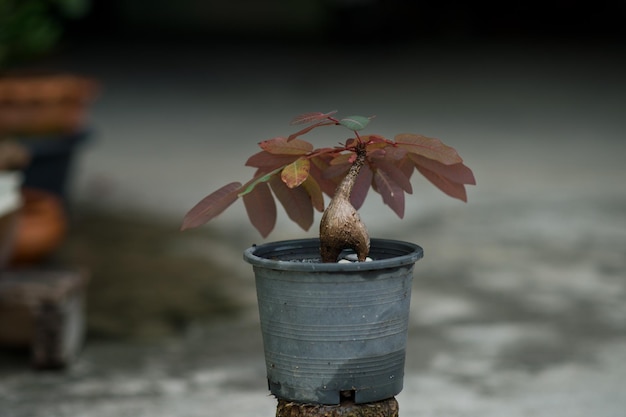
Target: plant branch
[[341, 226], [344, 189]]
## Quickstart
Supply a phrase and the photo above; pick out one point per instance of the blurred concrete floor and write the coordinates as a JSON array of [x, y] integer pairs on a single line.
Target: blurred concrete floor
[[518, 306]]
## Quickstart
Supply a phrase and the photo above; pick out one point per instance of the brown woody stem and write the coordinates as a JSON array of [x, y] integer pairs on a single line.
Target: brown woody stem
[[344, 189], [341, 227]]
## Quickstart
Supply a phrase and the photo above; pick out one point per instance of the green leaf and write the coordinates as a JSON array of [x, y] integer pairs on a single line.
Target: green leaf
[[256, 181], [355, 122], [295, 173]]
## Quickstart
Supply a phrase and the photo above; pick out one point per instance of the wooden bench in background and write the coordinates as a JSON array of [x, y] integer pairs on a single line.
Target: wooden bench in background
[[43, 310]]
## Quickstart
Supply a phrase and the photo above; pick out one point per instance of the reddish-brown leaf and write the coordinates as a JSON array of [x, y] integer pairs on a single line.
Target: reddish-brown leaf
[[315, 193], [311, 117], [296, 172], [407, 166], [280, 146], [296, 202], [429, 147], [361, 187], [376, 146], [456, 172], [373, 139], [261, 209], [318, 166], [391, 192], [343, 158], [337, 171], [393, 153], [393, 173], [269, 162], [308, 129], [376, 153], [453, 189], [211, 206]]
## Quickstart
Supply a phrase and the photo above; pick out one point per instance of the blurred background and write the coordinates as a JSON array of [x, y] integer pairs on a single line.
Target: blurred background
[[520, 295]]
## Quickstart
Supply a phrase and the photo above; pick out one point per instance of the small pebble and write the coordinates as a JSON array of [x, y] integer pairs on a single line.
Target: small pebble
[[353, 258]]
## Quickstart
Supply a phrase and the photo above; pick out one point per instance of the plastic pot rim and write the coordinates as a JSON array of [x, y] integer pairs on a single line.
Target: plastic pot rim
[[393, 253]]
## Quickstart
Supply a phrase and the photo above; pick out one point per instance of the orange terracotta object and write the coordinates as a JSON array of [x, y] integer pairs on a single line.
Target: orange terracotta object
[[41, 227], [38, 104]]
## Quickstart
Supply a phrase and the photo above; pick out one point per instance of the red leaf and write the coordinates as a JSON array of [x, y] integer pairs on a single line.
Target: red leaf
[[393, 153], [343, 158], [211, 206], [374, 139], [261, 209], [269, 162], [407, 167], [293, 136], [391, 192], [296, 202], [456, 172], [337, 171], [429, 147], [318, 166], [376, 153], [453, 189], [315, 193], [361, 187], [393, 173], [311, 117], [280, 146]]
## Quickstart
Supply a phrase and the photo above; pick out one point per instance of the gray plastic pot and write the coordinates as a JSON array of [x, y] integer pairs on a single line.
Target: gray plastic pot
[[332, 330]]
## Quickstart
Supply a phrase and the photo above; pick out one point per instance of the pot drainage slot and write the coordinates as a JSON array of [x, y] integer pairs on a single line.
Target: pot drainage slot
[[347, 396]]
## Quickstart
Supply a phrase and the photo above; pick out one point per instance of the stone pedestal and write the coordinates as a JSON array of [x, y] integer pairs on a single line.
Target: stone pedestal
[[385, 408]]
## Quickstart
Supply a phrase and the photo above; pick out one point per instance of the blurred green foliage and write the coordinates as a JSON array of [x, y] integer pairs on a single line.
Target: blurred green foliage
[[29, 28]]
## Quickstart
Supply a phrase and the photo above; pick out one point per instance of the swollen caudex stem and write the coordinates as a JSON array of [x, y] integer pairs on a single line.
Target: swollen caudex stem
[[341, 226]]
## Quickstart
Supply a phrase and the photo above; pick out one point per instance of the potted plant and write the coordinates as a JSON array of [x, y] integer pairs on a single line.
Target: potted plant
[[334, 310], [43, 114], [34, 101], [46, 111]]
